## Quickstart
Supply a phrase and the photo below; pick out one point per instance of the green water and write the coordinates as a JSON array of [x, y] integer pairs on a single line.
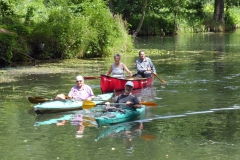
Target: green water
[[197, 116]]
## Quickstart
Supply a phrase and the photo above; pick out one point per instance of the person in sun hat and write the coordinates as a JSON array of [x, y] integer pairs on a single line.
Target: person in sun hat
[[127, 97], [79, 92]]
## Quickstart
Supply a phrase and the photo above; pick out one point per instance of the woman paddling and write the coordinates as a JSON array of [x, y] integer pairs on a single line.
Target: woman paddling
[[117, 68]]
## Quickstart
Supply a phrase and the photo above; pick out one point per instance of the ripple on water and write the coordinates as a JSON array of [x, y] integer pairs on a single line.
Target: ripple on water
[[232, 87], [199, 112], [225, 109]]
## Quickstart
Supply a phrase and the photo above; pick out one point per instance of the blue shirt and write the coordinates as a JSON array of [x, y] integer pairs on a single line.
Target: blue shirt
[[142, 65]]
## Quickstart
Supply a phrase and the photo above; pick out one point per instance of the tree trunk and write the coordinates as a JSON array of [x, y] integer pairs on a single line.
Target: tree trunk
[[142, 19], [111, 6], [175, 18], [219, 11]]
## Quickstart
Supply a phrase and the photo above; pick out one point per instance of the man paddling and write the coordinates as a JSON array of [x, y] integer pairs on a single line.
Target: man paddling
[[144, 65], [79, 92], [127, 97]]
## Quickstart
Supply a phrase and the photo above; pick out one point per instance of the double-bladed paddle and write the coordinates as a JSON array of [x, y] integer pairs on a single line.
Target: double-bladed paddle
[[90, 104]]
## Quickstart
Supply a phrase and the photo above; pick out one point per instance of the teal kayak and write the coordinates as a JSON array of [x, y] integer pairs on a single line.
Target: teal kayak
[[64, 105], [109, 118]]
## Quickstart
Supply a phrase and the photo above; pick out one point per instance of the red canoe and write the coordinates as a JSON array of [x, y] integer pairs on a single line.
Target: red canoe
[[109, 84]]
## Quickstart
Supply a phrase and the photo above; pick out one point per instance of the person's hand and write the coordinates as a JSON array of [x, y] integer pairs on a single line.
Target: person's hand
[[128, 103], [130, 74], [60, 97], [89, 98], [107, 104]]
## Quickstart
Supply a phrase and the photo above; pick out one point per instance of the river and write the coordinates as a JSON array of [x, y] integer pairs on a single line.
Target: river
[[197, 117]]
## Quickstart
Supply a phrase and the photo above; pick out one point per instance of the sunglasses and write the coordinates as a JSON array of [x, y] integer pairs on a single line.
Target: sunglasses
[[79, 81]]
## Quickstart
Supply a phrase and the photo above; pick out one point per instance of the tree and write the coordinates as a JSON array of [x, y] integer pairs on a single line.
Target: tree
[[142, 18], [219, 11]]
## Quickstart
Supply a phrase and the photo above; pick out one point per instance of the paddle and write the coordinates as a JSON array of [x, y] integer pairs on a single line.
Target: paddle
[[37, 100], [148, 137], [96, 77], [90, 104], [163, 82], [91, 77]]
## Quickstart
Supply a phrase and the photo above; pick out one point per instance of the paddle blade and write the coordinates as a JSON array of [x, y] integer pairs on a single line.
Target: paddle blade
[[37, 100], [148, 137], [163, 82], [88, 104], [149, 104], [90, 77]]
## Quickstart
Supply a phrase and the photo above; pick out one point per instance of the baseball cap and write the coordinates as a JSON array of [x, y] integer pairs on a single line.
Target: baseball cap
[[129, 83]]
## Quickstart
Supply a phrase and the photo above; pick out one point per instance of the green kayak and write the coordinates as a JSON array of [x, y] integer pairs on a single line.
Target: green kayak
[[65, 105], [109, 118]]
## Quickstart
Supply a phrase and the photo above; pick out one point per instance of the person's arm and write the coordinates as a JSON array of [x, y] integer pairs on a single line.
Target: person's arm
[[127, 70], [109, 71], [137, 106], [90, 94], [152, 65], [135, 103], [116, 100], [61, 96], [70, 94]]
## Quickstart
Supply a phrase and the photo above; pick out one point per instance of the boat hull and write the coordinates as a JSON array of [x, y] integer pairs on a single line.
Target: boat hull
[[63, 105], [111, 84], [109, 118]]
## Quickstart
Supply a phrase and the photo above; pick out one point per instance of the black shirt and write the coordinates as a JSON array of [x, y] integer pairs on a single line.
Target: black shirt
[[124, 98]]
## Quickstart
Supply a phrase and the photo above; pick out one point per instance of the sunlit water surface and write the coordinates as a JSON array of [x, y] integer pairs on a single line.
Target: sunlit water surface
[[197, 116]]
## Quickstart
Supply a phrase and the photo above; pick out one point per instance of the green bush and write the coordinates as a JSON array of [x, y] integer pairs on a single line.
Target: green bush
[[85, 30]]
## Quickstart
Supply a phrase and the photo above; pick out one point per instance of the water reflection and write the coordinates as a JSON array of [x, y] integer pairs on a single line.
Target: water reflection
[[76, 118], [127, 132], [53, 118]]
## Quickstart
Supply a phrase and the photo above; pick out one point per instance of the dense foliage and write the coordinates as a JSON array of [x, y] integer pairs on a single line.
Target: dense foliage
[[43, 29], [60, 29], [178, 16]]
